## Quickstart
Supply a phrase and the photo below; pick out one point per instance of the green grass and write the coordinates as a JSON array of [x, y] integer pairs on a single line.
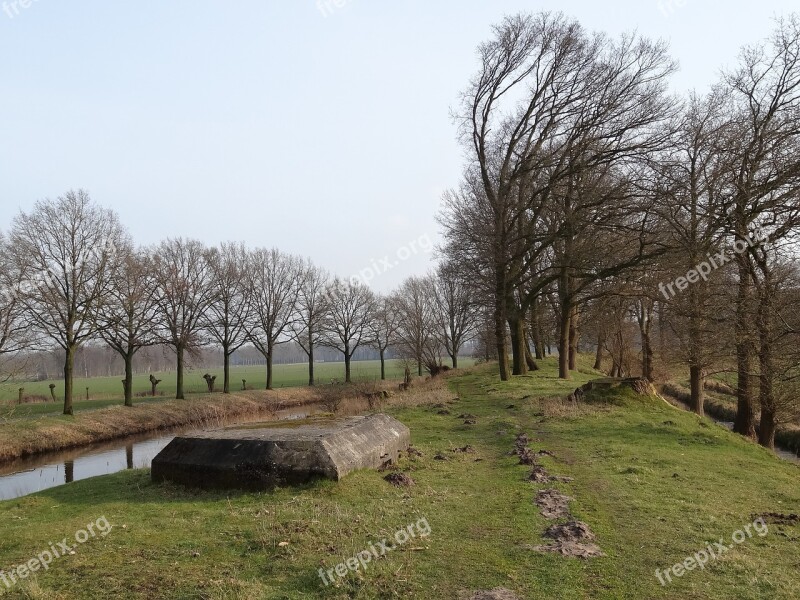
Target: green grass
[[107, 391], [656, 484]]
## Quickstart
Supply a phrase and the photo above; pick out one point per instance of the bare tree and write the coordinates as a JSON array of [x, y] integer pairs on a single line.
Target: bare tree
[[765, 175], [184, 295], [552, 110], [456, 310], [15, 334], [66, 248], [128, 310], [346, 326], [383, 328], [312, 308], [417, 333], [275, 282], [230, 311]]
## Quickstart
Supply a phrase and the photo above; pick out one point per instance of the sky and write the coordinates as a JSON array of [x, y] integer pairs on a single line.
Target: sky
[[321, 128]]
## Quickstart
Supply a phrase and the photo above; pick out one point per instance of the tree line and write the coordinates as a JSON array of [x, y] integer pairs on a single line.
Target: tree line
[[70, 275], [595, 202]]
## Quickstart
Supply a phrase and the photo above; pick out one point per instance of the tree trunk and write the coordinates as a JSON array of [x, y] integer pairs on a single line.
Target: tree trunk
[[347, 356], [536, 334], [383, 364], [500, 323], [455, 360], [696, 382], [574, 336], [598, 357], [766, 430], [179, 393], [563, 340], [530, 361], [269, 358], [69, 365], [310, 363], [226, 369], [745, 414], [128, 385], [517, 328]]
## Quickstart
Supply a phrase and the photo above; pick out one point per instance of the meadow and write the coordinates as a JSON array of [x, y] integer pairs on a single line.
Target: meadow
[[107, 391], [654, 483]]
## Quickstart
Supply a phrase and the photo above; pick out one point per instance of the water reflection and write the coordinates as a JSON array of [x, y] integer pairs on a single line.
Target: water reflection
[[44, 471]]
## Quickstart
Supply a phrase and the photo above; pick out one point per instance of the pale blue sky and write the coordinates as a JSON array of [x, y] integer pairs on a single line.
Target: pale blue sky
[[267, 122]]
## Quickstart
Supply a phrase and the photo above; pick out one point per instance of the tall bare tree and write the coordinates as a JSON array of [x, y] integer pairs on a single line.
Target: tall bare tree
[[15, 334], [67, 250], [127, 314], [550, 105], [346, 326], [230, 310], [456, 310], [184, 295], [275, 280], [312, 309], [417, 333], [765, 177], [383, 328]]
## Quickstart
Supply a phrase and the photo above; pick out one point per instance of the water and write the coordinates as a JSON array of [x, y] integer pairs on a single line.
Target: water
[[784, 454], [45, 471]]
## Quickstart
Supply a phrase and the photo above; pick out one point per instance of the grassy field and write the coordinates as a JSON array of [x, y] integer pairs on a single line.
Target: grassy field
[[655, 484], [107, 391]]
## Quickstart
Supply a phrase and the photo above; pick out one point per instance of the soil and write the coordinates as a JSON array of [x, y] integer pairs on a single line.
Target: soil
[[571, 539], [399, 479], [553, 504]]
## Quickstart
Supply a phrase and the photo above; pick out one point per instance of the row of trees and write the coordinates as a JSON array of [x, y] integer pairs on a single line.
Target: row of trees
[[592, 195], [72, 276]]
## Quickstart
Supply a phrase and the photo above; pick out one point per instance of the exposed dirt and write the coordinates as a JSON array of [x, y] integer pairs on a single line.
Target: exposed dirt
[[399, 479], [571, 539], [413, 451], [465, 450], [553, 504], [778, 518], [540, 475], [526, 456]]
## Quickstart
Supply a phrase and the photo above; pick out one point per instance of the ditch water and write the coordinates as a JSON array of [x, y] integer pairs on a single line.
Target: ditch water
[[779, 452], [45, 471]]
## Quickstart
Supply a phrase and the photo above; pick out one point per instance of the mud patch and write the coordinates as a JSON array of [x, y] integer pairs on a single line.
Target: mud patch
[[553, 504], [540, 475], [413, 451], [778, 518], [527, 456], [399, 479], [571, 539], [465, 450]]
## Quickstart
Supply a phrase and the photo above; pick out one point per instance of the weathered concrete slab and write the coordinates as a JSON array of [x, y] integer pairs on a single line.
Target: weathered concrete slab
[[260, 457]]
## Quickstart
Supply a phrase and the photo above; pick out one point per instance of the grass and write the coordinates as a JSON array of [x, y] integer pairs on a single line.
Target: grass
[[656, 485], [107, 391]]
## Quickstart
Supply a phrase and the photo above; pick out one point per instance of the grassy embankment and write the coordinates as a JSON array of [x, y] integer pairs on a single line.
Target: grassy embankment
[[720, 403], [654, 483]]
